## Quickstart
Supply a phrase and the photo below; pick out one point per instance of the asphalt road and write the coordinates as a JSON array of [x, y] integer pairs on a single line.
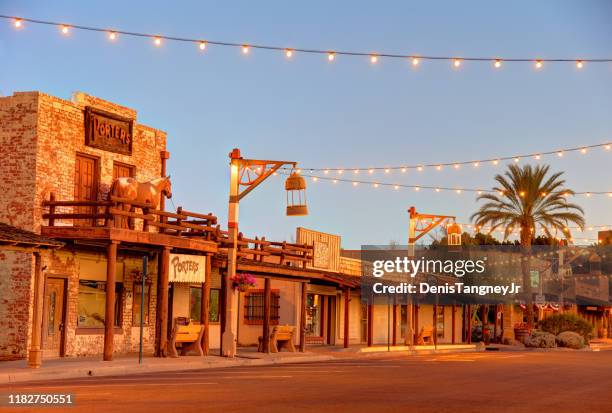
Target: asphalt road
[[469, 382]]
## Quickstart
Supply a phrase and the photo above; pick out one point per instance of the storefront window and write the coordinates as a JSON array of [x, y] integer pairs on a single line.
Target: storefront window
[[440, 323], [195, 303], [92, 304], [137, 295], [213, 315], [313, 315], [254, 307]]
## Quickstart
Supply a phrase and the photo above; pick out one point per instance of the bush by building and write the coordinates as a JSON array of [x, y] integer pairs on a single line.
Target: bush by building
[[541, 339], [570, 339], [559, 323]]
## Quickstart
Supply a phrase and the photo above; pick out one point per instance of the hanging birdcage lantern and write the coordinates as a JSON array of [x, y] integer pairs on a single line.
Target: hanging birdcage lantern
[[295, 185], [453, 234]]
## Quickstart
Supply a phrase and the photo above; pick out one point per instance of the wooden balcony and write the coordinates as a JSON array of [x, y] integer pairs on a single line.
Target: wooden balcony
[[119, 220]]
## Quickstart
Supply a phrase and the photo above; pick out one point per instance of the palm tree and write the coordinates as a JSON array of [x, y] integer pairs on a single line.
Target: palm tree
[[525, 198]]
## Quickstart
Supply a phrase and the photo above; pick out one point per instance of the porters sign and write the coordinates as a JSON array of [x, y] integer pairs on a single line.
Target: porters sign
[[108, 131], [187, 268]]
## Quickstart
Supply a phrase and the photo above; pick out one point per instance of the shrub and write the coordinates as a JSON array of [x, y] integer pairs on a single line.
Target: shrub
[[570, 339], [541, 339], [558, 323]]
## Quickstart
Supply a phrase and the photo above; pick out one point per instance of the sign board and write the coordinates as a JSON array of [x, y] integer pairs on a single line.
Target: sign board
[[326, 249], [108, 131], [540, 299], [535, 279], [187, 268]]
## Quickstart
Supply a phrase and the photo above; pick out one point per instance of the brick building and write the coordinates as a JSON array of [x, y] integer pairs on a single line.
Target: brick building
[[44, 151]]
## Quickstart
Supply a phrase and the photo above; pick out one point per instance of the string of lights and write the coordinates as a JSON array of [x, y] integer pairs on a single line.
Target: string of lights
[[415, 60], [475, 163], [417, 188]]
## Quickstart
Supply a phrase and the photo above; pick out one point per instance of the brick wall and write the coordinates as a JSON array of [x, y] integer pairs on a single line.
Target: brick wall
[[40, 136]]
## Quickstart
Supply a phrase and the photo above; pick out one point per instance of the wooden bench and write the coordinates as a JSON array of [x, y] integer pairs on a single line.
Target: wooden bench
[[425, 334], [189, 336], [280, 337]]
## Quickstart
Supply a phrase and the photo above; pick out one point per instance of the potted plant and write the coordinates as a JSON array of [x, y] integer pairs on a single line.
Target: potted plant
[[521, 331], [242, 281]]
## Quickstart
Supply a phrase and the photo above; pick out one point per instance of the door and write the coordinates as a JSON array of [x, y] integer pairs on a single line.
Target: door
[[330, 322], [53, 321], [85, 186], [122, 170]]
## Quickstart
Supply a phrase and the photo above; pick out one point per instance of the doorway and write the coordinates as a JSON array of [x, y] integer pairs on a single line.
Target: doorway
[[54, 309]]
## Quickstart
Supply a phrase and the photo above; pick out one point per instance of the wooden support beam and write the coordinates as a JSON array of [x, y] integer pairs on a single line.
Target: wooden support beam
[[109, 317], [409, 339], [416, 324], [164, 272], [347, 299], [35, 355], [266, 315], [205, 310], [394, 323], [469, 324], [435, 325], [370, 325], [453, 318], [303, 318]]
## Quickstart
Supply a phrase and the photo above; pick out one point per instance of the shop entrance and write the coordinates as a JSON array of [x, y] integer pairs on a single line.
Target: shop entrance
[[320, 319], [54, 314]]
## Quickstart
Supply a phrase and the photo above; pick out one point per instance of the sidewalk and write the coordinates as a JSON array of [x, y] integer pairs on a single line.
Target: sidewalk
[[75, 367]]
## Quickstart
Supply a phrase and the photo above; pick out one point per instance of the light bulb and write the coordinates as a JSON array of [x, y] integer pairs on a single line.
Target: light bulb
[[420, 168], [373, 59], [415, 61], [331, 56], [245, 49], [112, 36], [579, 64], [456, 62], [289, 53], [517, 159], [560, 154], [539, 64], [18, 23], [537, 157], [326, 171], [202, 45], [583, 150], [371, 171], [476, 164], [65, 29], [158, 41], [439, 167], [497, 63]]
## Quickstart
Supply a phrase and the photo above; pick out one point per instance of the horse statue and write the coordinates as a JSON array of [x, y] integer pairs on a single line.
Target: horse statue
[[141, 192]]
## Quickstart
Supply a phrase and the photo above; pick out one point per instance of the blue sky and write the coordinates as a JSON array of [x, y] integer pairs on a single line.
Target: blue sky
[[342, 114]]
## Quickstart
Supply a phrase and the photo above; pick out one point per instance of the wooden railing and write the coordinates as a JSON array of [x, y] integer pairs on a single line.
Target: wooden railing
[[124, 213]]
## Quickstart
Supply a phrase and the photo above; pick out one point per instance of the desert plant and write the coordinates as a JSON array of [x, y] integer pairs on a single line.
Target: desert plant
[[541, 339], [570, 339], [527, 196], [558, 323]]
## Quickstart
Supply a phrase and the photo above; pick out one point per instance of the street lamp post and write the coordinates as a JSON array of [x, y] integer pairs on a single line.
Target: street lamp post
[[245, 175]]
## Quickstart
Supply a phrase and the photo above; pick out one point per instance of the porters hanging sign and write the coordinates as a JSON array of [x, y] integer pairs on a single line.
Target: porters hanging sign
[[187, 268], [108, 131]]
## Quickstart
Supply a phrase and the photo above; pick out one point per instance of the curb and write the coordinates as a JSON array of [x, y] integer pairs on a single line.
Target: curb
[[105, 371]]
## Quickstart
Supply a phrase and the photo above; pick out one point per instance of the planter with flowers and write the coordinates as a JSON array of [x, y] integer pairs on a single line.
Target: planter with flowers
[[521, 331], [242, 281]]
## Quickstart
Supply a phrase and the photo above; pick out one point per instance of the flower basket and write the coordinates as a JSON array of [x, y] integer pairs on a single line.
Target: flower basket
[[242, 282], [521, 332]]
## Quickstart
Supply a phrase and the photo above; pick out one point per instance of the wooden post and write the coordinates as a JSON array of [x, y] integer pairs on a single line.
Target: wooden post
[[109, 318], [409, 338], [266, 316], [205, 310], [347, 299], [416, 324], [435, 325], [469, 324], [35, 356], [370, 325], [394, 322], [303, 318], [453, 309], [164, 155], [164, 273], [52, 210]]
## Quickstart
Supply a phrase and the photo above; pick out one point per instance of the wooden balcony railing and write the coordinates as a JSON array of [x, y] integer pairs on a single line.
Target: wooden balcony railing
[[123, 213]]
